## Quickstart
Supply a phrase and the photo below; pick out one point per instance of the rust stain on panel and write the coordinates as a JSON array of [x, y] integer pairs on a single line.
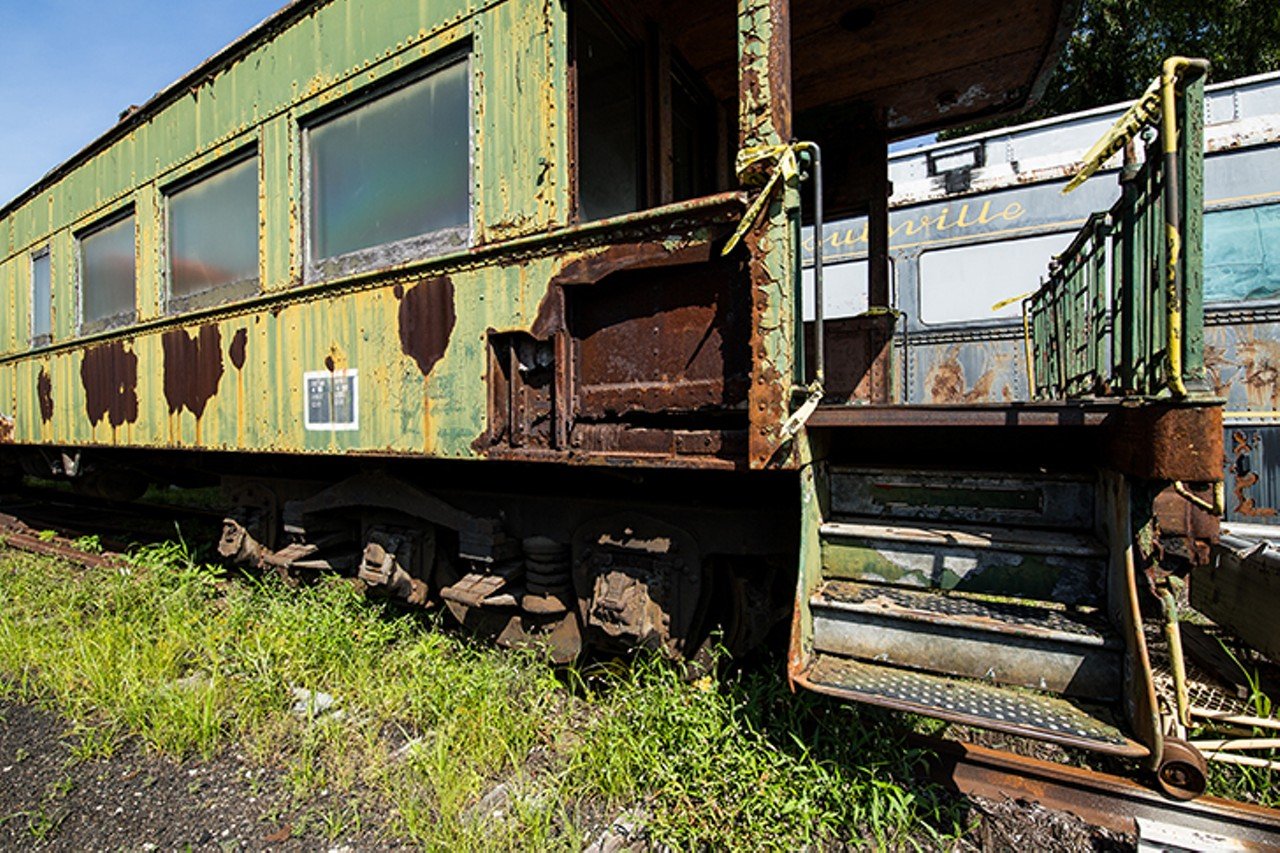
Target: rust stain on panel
[[239, 343], [1261, 362], [7, 428], [192, 368], [427, 318], [109, 373], [947, 383], [44, 390], [1245, 478]]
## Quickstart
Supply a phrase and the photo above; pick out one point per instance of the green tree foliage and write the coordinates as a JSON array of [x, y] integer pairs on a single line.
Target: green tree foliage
[[1118, 45]]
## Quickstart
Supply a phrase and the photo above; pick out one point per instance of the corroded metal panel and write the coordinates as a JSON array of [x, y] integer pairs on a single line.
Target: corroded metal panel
[[1252, 472], [1044, 577], [967, 497], [967, 371], [764, 119]]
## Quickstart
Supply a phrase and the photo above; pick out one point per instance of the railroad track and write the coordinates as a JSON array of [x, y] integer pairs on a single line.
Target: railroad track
[[1104, 800], [1101, 799]]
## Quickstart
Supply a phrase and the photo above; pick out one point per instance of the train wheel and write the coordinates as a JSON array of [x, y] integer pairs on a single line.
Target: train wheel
[[1183, 773]]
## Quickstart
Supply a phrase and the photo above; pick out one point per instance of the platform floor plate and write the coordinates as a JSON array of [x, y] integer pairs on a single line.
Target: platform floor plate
[[1085, 628], [970, 702]]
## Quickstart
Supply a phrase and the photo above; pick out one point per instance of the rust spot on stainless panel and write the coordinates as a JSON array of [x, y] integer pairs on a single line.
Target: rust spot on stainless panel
[[239, 342], [427, 318], [1245, 478], [7, 428], [1261, 362], [329, 364], [947, 383], [192, 368], [109, 373], [44, 390]]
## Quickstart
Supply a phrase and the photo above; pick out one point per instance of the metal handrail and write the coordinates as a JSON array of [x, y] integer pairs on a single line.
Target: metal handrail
[[1082, 311]]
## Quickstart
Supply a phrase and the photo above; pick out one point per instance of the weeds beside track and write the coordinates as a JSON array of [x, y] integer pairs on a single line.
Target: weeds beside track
[[460, 745]]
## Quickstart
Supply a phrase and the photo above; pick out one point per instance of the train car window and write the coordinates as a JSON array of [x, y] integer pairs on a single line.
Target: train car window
[[107, 273], [844, 290], [390, 177], [41, 298], [610, 73], [1242, 254], [213, 232], [960, 284]]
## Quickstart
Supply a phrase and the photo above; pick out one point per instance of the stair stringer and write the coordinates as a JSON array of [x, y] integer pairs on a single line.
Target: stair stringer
[[813, 509], [1115, 522]]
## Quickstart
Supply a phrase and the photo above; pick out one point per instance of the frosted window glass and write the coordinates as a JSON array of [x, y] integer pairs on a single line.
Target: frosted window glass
[[844, 290], [394, 168], [1242, 254], [41, 295], [107, 272], [960, 284], [213, 231]]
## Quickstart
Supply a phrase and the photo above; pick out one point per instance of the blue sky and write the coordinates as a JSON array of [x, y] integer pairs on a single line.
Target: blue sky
[[69, 67]]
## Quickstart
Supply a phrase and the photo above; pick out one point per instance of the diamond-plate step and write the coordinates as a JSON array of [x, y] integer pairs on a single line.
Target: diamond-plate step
[[1044, 565], [1017, 644], [973, 703], [1040, 500]]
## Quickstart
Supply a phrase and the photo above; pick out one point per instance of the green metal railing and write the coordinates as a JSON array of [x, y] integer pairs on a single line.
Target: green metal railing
[[1121, 313]]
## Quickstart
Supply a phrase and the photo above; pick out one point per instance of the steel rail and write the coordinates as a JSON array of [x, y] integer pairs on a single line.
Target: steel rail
[[15, 533], [1111, 802]]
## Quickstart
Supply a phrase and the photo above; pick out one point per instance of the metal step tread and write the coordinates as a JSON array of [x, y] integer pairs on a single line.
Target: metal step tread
[[959, 611], [977, 703], [971, 536]]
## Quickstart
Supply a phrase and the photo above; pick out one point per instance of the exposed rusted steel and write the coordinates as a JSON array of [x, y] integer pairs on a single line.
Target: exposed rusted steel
[[764, 121], [192, 368], [44, 392], [1101, 799], [426, 318], [1186, 530], [1062, 414], [1168, 443], [109, 373], [239, 344]]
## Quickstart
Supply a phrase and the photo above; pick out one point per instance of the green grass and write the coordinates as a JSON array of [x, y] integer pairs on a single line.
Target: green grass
[[1239, 782], [464, 746]]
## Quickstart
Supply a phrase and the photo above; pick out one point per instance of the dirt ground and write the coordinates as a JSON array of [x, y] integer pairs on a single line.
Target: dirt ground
[[51, 798]]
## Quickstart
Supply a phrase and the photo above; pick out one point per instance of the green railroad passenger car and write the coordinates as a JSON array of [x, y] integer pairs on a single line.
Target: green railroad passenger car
[[495, 304]]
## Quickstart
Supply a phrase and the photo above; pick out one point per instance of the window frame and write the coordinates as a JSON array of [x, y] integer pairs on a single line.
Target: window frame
[[220, 293], [38, 341], [420, 247], [128, 211]]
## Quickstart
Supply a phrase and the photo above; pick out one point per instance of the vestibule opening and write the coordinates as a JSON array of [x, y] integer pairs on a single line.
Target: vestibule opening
[[649, 127]]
